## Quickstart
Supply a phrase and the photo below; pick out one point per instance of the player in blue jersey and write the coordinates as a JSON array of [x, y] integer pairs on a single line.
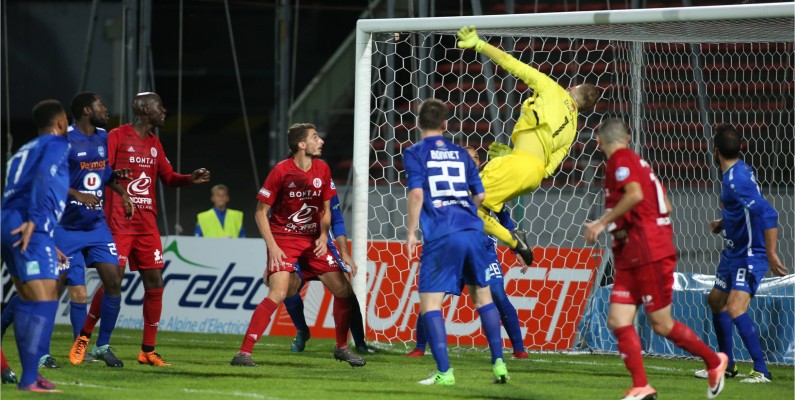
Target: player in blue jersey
[[295, 305], [510, 320], [34, 198], [749, 227], [444, 193], [83, 234]]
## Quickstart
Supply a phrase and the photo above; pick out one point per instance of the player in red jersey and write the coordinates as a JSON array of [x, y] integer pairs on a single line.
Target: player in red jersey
[[297, 193], [135, 147], [637, 214]]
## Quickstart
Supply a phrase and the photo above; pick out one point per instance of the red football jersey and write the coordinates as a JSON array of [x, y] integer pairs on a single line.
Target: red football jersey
[[297, 197], [644, 234], [147, 160]]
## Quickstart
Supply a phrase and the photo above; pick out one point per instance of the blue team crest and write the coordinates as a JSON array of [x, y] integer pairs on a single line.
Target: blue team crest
[[440, 143], [101, 151]]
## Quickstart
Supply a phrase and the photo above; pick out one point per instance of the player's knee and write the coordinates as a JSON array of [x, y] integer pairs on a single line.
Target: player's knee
[[77, 294], [735, 309], [614, 323], [716, 301], [662, 328], [277, 295]]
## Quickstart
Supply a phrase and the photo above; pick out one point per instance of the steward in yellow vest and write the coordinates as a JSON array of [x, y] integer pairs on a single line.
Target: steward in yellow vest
[[219, 221]]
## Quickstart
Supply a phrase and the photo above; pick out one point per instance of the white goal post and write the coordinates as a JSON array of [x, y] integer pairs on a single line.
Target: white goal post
[[670, 73]]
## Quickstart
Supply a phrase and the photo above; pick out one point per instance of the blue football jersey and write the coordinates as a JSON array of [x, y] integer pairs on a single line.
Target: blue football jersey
[[746, 214], [89, 171], [448, 177], [37, 181]]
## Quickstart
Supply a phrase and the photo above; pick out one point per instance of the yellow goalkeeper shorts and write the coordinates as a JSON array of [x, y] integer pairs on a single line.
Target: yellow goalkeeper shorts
[[508, 177]]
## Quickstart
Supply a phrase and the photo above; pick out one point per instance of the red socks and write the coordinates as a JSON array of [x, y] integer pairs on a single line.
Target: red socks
[[3, 361], [259, 322], [153, 306], [94, 311], [629, 349], [684, 337], [342, 319]]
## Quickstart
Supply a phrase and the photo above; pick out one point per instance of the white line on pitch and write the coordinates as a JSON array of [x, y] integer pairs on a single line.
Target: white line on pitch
[[90, 385], [235, 393], [604, 364]]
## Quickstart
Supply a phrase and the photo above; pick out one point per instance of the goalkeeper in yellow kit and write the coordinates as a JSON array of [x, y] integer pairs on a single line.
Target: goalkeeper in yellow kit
[[541, 138]]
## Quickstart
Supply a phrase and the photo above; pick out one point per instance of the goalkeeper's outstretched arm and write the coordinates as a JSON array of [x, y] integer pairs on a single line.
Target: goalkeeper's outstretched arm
[[469, 39]]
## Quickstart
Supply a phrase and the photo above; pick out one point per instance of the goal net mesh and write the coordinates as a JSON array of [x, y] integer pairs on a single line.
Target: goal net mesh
[[671, 82]]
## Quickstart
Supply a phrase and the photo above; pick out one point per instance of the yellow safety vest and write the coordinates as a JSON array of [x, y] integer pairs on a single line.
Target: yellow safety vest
[[211, 226]]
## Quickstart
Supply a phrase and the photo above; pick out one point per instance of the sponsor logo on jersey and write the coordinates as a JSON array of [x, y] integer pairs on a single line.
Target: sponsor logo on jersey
[[440, 143], [158, 256], [140, 186], [93, 165], [332, 185], [303, 215], [92, 181], [622, 173], [265, 192], [153, 151], [130, 149], [291, 186], [144, 161], [101, 151], [317, 183], [81, 154], [302, 194]]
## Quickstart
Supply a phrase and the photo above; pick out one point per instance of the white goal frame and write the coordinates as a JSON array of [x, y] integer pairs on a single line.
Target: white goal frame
[[604, 21]]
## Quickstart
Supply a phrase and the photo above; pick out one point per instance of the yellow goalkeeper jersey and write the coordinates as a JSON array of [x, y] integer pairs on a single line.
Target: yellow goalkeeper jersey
[[550, 112]]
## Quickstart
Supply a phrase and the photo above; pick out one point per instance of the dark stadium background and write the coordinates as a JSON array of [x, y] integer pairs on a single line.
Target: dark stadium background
[[45, 46]]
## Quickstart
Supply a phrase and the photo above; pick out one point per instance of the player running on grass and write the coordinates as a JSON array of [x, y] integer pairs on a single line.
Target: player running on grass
[[298, 192], [135, 147], [637, 214], [34, 198], [510, 320], [542, 137], [749, 227], [444, 193]]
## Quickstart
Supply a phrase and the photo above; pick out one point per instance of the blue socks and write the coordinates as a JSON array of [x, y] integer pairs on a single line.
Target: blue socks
[[110, 313], [419, 333], [510, 321], [33, 324], [295, 307], [77, 315], [724, 330], [490, 321], [750, 336], [434, 328]]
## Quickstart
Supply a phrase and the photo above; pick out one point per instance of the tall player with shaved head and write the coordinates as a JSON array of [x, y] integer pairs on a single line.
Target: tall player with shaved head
[[135, 147]]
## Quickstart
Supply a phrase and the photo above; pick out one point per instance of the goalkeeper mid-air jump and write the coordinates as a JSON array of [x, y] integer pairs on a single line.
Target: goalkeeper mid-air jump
[[541, 138]]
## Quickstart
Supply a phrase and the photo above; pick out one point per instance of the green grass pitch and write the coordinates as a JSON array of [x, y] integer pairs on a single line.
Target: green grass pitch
[[200, 370]]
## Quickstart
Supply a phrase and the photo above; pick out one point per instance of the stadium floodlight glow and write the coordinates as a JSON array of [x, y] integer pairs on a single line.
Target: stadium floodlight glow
[[670, 73]]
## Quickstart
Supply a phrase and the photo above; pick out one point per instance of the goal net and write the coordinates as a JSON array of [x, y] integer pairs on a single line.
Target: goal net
[[671, 74]]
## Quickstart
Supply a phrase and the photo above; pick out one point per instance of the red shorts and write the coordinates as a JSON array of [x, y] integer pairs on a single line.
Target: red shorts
[[139, 251], [300, 250], [649, 284]]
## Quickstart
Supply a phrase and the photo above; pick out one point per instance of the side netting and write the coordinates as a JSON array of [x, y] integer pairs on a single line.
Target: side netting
[[671, 74]]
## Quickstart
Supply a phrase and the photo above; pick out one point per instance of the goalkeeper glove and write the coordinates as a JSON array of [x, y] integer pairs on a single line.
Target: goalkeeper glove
[[497, 149], [469, 39]]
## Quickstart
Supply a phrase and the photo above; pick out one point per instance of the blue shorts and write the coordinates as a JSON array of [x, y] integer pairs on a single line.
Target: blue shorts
[[743, 274], [455, 258], [84, 248], [39, 261]]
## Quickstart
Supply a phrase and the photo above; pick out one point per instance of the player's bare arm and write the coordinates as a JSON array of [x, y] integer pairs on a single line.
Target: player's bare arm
[[776, 266], [633, 194], [126, 201], [122, 173], [321, 243], [415, 206], [201, 175], [26, 231], [276, 256], [345, 255], [88, 199], [716, 225]]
